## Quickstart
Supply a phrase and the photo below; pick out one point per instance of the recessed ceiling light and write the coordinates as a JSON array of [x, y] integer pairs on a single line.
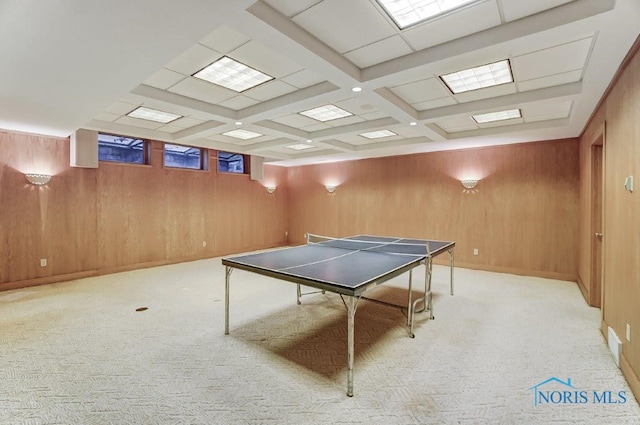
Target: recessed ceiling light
[[497, 116], [408, 12], [479, 77], [308, 140], [153, 115], [299, 147], [356, 89], [326, 113], [413, 123], [378, 134], [232, 74], [238, 122], [242, 134]]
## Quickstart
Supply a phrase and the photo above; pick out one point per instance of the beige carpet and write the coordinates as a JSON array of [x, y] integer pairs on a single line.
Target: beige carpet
[[79, 353]]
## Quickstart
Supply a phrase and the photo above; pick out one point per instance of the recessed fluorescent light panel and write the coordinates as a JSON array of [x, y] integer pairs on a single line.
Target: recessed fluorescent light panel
[[299, 147], [479, 77], [326, 113], [153, 115], [378, 134], [242, 134], [232, 74], [409, 12], [497, 116]]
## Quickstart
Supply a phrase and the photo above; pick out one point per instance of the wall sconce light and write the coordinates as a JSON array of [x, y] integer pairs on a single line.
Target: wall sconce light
[[38, 179], [270, 189], [469, 184], [330, 188]]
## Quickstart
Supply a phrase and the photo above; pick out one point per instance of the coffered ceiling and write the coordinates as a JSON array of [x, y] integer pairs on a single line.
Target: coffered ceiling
[[74, 64]]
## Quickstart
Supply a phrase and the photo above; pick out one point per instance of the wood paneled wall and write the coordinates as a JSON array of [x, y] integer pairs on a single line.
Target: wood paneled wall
[[120, 217], [522, 216], [618, 115]]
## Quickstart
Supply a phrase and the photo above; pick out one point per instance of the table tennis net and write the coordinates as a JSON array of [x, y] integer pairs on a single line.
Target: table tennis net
[[389, 247]]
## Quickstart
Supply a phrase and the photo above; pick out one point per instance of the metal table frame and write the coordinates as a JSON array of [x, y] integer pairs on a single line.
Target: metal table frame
[[353, 296]]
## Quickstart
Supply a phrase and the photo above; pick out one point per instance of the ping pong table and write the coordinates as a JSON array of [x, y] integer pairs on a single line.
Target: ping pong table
[[349, 267]]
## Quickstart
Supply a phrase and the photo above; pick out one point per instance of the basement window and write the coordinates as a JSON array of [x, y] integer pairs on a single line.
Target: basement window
[[229, 162], [178, 156], [114, 148]]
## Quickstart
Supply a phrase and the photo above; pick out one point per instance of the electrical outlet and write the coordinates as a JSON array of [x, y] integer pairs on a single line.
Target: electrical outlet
[[628, 332], [286, 234], [43, 262], [475, 251], [204, 243]]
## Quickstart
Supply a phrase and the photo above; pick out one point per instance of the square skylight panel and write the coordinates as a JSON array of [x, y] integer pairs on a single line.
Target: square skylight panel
[[378, 134], [497, 116], [479, 77], [326, 113], [409, 12], [153, 115], [242, 134], [299, 147], [232, 74]]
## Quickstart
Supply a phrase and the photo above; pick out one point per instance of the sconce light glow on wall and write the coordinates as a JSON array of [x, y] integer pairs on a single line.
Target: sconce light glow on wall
[[270, 189], [330, 188], [469, 183], [38, 179]]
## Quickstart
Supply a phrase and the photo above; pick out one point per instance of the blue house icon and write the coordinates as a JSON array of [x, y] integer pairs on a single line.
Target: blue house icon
[[552, 379]]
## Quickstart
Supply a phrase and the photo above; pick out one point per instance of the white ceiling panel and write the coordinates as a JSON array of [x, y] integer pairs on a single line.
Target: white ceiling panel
[[458, 123], [504, 123], [435, 103], [551, 80], [353, 24], [541, 111], [265, 60], [202, 90], [378, 52], [296, 121], [136, 122], [184, 122], [107, 116], [455, 25], [315, 127], [238, 102], [121, 108], [301, 79], [164, 79], [421, 91], [193, 60], [269, 90], [551, 61], [516, 9], [224, 40], [356, 105], [345, 121], [291, 7], [486, 93]]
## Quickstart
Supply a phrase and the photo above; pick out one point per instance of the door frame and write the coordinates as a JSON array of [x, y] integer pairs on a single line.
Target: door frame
[[596, 285]]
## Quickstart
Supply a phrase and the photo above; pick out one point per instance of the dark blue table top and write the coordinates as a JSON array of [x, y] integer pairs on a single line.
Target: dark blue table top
[[346, 265]]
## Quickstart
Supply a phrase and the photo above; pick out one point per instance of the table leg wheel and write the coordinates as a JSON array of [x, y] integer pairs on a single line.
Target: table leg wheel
[[412, 335], [299, 303]]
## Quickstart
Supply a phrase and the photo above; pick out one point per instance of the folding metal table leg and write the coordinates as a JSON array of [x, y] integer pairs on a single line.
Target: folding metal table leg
[[227, 276], [351, 312]]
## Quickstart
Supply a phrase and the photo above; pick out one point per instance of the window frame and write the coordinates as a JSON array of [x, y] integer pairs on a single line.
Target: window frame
[[203, 161], [146, 150], [246, 164]]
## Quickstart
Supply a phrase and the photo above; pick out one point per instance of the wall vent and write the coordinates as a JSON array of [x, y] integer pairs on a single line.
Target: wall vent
[[614, 345]]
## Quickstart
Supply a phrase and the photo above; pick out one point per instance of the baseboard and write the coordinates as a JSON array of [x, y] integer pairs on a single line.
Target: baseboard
[[46, 280], [630, 376], [583, 289], [511, 270], [625, 367]]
